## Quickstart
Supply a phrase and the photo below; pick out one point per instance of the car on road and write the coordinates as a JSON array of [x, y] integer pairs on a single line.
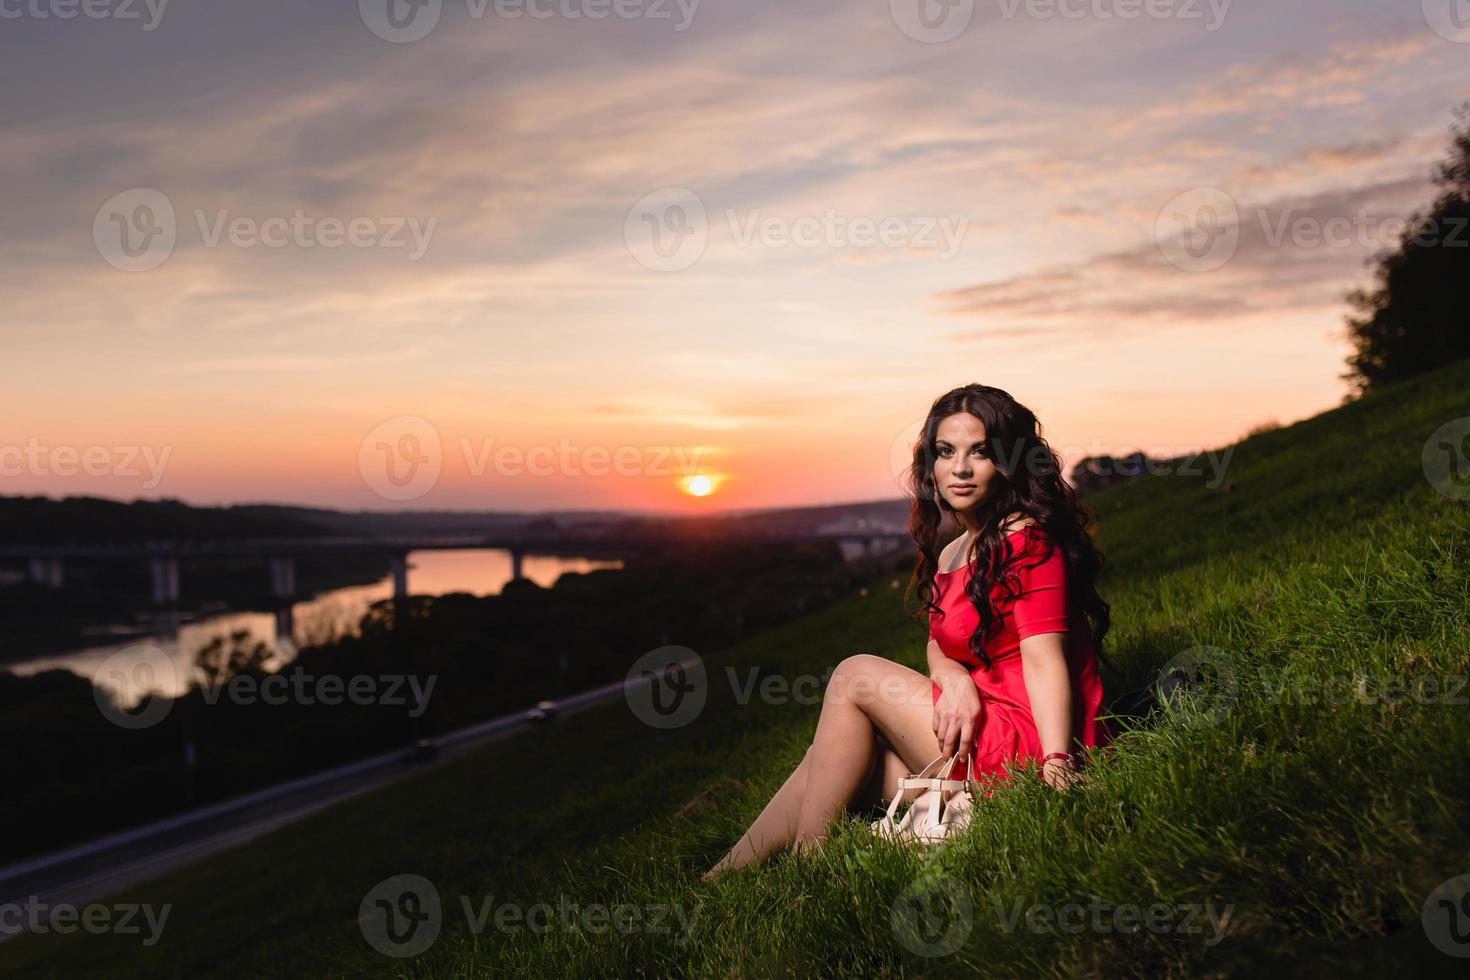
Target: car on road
[[422, 750], [544, 711]]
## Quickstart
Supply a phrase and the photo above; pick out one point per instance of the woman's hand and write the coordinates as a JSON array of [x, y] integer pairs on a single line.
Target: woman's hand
[[957, 711], [1058, 774]]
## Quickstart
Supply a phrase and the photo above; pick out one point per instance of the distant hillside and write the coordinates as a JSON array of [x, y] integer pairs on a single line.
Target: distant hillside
[[878, 515], [94, 520]]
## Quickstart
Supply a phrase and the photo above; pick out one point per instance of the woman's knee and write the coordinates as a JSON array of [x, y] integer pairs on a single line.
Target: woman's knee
[[859, 679]]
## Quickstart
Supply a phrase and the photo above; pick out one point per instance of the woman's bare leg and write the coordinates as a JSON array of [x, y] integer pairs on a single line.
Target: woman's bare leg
[[874, 711], [882, 782], [775, 828], [866, 694]]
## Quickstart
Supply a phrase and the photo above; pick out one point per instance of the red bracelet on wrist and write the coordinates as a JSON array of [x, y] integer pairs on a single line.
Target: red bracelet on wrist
[[1057, 755]]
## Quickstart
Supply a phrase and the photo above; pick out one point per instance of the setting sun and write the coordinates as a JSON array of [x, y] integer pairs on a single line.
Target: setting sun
[[699, 486]]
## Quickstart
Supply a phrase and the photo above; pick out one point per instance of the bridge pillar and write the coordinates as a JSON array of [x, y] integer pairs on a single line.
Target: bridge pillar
[[166, 623], [45, 571], [399, 562], [283, 578], [286, 628], [517, 556], [165, 573]]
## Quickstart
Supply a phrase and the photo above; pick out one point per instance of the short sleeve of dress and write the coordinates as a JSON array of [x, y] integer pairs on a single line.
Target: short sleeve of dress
[[1041, 606]]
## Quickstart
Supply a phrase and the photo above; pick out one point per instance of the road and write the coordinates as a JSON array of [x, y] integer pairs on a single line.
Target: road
[[91, 872]]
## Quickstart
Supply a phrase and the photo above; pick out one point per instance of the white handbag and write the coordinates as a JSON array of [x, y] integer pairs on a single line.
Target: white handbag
[[941, 808]]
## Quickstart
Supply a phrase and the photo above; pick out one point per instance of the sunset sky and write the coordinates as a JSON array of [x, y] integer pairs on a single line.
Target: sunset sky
[[547, 162]]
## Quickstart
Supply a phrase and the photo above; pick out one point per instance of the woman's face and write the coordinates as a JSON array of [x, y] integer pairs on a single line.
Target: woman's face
[[964, 471]]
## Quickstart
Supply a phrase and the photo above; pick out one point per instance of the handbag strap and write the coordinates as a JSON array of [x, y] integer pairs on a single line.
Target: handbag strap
[[912, 781], [941, 782], [920, 781], [955, 785]]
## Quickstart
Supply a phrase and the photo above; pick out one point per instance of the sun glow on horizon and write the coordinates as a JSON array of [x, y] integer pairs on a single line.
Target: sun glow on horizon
[[699, 486]]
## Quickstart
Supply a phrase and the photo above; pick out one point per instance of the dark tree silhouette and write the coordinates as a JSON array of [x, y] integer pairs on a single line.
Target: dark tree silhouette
[[1414, 318], [219, 661]]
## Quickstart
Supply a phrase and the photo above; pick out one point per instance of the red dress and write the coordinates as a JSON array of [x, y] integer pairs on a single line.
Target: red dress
[[1006, 728]]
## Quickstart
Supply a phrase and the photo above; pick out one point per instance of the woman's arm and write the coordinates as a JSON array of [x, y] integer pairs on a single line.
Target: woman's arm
[[1049, 688], [957, 709], [942, 668], [1041, 625]]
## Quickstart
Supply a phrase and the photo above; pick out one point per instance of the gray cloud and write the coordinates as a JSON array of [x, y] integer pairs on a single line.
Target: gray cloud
[[1272, 269]]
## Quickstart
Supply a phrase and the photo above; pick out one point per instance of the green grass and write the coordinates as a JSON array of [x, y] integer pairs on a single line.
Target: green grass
[[1320, 827]]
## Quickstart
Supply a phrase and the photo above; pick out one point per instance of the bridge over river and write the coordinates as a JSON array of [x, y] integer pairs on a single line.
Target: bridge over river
[[46, 563]]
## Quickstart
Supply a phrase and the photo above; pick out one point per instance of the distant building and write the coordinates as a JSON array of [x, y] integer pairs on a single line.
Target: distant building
[[861, 525], [1095, 472]]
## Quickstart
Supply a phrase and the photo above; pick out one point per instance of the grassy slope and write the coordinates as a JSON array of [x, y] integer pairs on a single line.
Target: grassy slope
[[1323, 827]]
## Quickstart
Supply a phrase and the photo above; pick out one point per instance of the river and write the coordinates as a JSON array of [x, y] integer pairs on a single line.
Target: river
[[170, 660]]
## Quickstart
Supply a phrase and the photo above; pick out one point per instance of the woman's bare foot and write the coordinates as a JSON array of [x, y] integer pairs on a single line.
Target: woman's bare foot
[[806, 845]]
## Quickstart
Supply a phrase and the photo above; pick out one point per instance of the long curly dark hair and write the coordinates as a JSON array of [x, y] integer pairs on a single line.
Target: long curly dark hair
[[1029, 480]]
